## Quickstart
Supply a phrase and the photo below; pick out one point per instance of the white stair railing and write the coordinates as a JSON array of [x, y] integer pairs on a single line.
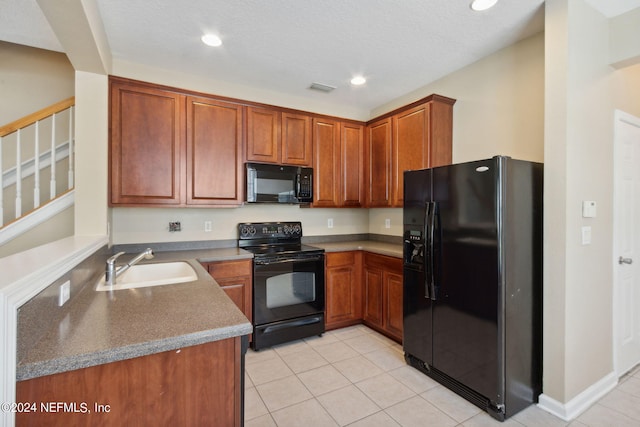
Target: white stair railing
[[22, 138]]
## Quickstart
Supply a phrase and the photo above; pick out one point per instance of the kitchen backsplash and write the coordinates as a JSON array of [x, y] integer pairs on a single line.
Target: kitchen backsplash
[[147, 225]]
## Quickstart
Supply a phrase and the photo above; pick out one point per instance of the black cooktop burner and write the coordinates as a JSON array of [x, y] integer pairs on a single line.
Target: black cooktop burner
[[281, 249]]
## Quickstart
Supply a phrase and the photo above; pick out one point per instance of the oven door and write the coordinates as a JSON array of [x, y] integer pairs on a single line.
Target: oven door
[[287, 288]]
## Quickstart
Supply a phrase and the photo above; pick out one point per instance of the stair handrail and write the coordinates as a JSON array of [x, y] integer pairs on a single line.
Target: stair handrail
[[38, 115], [40, 160]]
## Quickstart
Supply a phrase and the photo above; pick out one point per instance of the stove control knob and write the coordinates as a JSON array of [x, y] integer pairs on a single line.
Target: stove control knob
[[247, 230], [297, 229]]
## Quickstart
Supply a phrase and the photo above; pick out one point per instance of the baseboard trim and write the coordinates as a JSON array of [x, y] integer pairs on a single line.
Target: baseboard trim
[[576, 406]]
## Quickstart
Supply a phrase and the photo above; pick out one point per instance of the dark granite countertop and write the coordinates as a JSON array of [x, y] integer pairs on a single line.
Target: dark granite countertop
[[382, 248], [102, 327]]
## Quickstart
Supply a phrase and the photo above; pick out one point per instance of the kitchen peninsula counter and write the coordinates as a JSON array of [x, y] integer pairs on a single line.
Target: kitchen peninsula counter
[[98, 327]]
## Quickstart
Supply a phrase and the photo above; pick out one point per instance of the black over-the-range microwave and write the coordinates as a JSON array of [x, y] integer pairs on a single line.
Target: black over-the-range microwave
[[268, 183]]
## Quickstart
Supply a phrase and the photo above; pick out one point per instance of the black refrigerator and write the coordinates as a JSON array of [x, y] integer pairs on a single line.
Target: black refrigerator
[[473, 280]]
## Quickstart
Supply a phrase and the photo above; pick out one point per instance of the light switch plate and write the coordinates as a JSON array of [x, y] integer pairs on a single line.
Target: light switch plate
[[586, 235]]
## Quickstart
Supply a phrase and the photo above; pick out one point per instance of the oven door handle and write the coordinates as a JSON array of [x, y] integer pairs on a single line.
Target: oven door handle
[[293, 324], [258, 261]]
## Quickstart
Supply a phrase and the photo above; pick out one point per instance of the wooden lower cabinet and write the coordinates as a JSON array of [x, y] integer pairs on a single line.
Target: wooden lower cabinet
[[382, 299], [363, 287], [343, 296], [194, 386], [235, 278]]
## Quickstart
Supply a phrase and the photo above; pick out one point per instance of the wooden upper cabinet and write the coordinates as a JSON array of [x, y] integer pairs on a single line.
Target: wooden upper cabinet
[[379, 163], [146, 145], [278, 137], [352, 159], [338, 163], [263, 135], [296, 139], [416, 137], [422, 138], [410, 147], [214, 160], [326, 163]]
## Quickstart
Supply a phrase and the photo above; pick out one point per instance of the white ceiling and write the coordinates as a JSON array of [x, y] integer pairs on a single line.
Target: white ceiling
[[285, 45]]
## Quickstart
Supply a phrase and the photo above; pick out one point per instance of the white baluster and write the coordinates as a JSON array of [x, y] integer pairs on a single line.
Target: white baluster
[[18, 177], [71, 183], [52, 185], [36, 172], [1, 187]]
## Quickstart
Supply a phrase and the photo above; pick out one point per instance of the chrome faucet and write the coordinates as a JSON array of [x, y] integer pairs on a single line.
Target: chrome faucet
[[112, 272]]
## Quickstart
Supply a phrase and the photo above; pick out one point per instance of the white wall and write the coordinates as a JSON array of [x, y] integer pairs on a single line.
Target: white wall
[[137, 225], [499, 111], [581, 93], [500, 103], [31, 79], [92, 113]]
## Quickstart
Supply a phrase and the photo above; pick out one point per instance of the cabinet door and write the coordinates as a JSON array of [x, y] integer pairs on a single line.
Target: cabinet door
[[234, 277], [343, 289], [296, 140], [441, 132], [238, 289], [214, 157], [351, 157], [263, 135], [410, 146], [146, 145], [326, 142], [373, 284], [193, 386], [393, 304], [379, 163]]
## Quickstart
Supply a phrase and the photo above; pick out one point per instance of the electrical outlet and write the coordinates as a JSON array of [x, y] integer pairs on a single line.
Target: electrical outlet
[[330, 223], [64, 293], [207, 226], [175, 226], [387, 223]]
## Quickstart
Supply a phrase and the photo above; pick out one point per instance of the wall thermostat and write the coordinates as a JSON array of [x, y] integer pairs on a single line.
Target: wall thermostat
[[588, 209]]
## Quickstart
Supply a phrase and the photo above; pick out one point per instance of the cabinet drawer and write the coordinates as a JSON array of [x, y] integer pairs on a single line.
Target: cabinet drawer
[[334, 259], [383, 261], [222, 269]]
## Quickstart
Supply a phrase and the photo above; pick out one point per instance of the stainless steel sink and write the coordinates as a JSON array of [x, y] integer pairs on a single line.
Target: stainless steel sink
[[156, 274]]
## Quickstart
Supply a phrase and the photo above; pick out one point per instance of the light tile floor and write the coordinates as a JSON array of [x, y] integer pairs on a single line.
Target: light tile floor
[[357, 377]]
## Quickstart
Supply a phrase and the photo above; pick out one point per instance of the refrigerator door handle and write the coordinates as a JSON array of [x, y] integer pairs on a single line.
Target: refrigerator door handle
[[429, 259]]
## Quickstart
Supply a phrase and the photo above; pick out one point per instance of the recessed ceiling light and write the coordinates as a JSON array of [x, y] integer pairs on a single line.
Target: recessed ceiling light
[[480, 5], [211, 40], [358, 80]]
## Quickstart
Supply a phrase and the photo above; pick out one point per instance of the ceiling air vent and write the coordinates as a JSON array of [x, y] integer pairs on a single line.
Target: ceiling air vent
[[321, 87]]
